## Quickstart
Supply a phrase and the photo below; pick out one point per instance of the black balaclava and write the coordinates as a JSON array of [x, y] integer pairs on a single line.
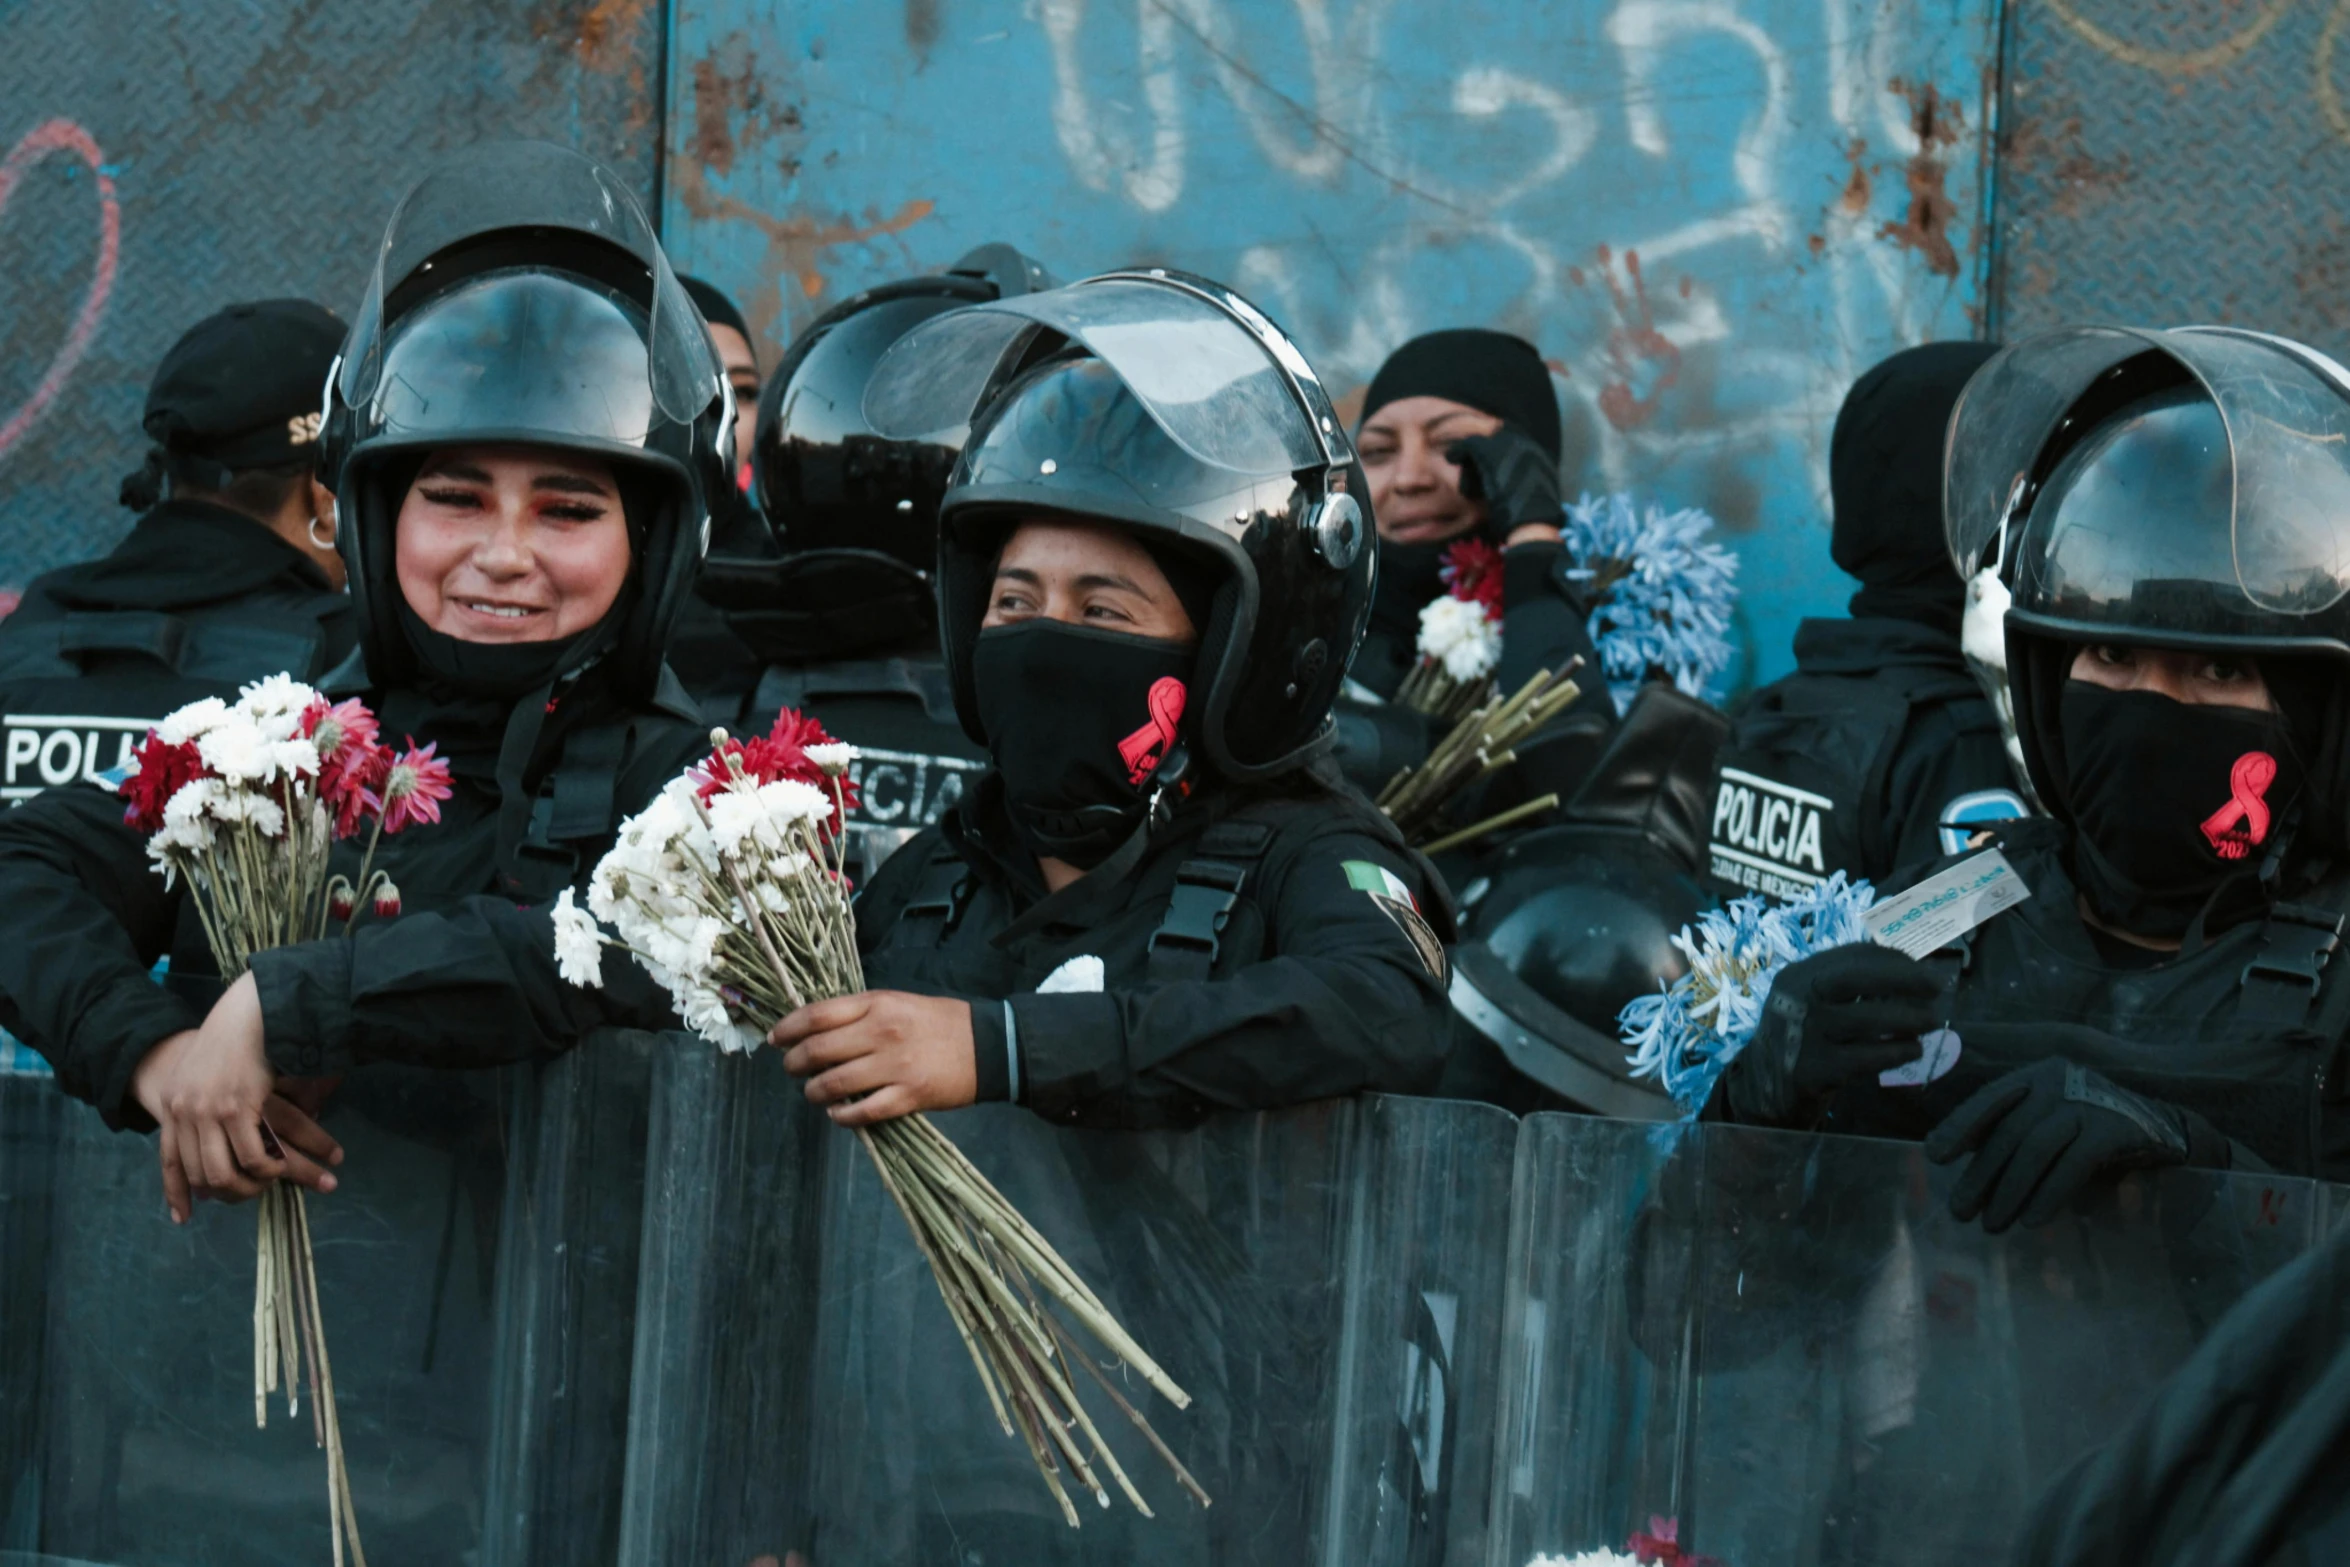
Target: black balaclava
[[1492, 372], [2171, 802], [1489, 371], [1079, 721], [1885, 475]]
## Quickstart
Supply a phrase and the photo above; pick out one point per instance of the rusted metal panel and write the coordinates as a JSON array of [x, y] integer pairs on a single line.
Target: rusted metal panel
[[158, 162], [1710, 214], [2172, 161]]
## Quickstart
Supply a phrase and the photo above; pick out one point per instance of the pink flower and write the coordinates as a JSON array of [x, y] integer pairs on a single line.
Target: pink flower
[[414, 787], [351, 765], [387, 899]]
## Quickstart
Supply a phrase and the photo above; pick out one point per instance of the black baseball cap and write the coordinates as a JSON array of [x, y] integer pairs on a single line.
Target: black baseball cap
[[243, 388]]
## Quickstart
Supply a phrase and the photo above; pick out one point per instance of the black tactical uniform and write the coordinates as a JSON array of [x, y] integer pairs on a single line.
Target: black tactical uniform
[[552, 744], [200, 598], [1249, 932], [1881, 751], [844, 624], [1545, 615], [2141, 490]]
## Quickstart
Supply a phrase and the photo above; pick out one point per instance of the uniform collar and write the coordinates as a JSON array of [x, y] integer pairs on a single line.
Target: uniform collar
[[184, 553], [1863, 646]]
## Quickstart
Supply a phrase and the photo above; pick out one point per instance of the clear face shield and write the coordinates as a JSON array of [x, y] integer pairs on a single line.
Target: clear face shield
[[1222, 381], [514, 347]]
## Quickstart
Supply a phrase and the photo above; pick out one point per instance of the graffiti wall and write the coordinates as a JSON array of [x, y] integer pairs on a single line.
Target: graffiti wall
[[158, 162], [1710, 214]]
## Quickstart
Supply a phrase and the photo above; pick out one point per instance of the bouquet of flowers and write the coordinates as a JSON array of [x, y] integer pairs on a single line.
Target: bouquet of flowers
[[1460, 636], [1661, 593], [729, 889], [243, 802], [1691, 1030]]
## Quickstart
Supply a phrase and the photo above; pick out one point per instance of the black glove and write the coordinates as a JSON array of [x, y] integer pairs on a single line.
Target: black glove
[[1836, 1017], [1516, 479], [2043, 1133]]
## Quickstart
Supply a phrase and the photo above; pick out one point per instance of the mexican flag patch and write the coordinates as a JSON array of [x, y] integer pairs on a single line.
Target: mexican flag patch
[[1394, 898]]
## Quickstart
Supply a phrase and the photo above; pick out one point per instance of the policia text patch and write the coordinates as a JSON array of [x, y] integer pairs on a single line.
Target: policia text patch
[[1767, 835]]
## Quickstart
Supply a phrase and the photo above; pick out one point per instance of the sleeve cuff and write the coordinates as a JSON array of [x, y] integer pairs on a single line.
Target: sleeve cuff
[[995, 1051], [145, 1013], [305, 996]]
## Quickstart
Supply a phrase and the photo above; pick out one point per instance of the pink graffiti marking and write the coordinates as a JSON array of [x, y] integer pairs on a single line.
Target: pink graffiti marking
[[62, 135]]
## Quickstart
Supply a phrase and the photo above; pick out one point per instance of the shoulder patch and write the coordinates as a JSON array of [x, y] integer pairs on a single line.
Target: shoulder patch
[[1394, 897]]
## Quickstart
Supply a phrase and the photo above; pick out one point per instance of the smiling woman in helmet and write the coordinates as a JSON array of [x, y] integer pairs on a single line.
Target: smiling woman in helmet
[[2171, 511], [1160, 901], [522, 433]]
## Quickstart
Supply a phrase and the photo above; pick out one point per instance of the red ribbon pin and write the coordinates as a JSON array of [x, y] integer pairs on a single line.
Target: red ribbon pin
[[1144, 749], [2236, 826]]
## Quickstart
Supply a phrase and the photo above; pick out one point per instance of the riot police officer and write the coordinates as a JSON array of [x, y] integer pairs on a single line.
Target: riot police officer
[[522, 432], [1880, 752], [704, 651], [1460, 441], [844, 624], [1160, 901], [228, 575], [2169, 510]]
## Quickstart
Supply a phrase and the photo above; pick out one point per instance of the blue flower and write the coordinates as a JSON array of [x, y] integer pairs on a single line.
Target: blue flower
[[1664, 593], [1689, 1031]]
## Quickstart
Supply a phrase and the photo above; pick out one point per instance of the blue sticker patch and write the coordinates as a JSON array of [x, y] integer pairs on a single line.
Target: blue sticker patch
[[1974, 811]]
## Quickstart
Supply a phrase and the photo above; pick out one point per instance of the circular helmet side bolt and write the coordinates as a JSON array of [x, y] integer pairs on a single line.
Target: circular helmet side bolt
[[520, 297], [1167, 405]]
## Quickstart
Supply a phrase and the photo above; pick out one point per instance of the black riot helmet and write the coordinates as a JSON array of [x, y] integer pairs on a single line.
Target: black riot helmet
[[519, 296], [1169, 406], [2184, 489], [1570, 923], [856, 512]]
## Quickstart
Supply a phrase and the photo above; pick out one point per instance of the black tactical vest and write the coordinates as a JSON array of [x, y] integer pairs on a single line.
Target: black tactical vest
[[1192, 912], [79, 689], [1800, 785], [2244, 1031]]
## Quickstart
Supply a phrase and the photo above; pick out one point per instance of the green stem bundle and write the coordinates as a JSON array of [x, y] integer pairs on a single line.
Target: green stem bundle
[[999, 1278], [1482, 742]]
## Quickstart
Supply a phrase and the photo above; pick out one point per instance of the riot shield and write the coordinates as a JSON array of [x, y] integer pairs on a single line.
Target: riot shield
[[717, 1457], [467, 1265], [32, 1119], [1324, 1282], [1781, 1348]]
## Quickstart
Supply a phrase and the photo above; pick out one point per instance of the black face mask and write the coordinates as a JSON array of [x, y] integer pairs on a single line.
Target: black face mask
[[1078, 722], [2170, 801], [1409, 577]]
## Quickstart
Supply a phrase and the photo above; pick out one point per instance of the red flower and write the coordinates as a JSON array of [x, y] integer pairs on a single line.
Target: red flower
[[1660, 1546], [781, 753], [414, 787], [1472, 572], [157, 771], [387, 900]]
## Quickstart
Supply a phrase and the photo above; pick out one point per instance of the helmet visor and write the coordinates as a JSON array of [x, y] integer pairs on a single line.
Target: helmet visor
[[2010, 407], [517, 352], [2281, 532], [1219, 388], [532, 191]]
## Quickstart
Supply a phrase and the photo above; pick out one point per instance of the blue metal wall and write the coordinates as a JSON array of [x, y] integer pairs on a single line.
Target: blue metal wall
[[1710, 214], [160, 161]]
